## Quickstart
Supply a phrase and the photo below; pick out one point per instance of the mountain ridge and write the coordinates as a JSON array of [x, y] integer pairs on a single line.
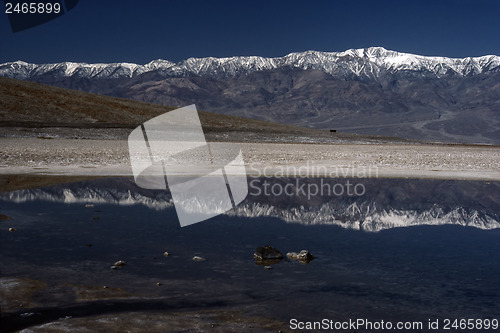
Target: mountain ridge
[[369, 62], [370, 91]]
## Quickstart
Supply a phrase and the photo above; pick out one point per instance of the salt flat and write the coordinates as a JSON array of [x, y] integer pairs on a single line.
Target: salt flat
[[76, 157]]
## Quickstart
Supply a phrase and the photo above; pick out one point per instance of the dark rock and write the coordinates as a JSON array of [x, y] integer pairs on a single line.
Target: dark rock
[[267, 252]]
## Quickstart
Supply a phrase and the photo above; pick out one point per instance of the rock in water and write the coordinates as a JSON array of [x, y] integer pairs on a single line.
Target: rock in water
[[267, 253], [304, 256], [119, 263]]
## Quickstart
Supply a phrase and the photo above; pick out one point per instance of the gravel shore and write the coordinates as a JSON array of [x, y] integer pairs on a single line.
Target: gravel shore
[[76, 157]]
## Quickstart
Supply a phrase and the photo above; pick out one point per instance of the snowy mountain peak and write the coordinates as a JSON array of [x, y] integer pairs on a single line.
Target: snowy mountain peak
[[159, 64], [369, 62]]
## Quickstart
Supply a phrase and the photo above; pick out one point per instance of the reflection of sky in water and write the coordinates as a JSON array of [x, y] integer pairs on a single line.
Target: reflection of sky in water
[[397, 273]]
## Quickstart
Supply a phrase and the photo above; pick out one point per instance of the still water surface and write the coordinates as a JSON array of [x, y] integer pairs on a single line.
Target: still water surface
[[405, 250]]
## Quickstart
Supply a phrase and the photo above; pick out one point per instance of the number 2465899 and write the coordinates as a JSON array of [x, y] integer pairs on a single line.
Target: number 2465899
[[32, 8]]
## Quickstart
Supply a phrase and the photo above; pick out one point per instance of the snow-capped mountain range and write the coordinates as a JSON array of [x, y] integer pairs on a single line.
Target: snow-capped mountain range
[[367, 62], [365, 91]]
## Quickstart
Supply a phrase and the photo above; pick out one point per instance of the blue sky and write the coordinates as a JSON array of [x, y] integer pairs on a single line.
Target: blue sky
[[141, 31]]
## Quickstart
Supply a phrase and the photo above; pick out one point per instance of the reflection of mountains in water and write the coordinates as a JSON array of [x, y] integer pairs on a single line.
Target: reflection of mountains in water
[[386, 203], [117, 191]]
